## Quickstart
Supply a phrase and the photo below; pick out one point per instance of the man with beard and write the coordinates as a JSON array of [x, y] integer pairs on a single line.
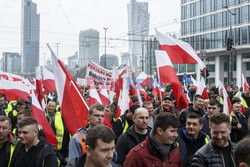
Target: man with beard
[[220, 151]]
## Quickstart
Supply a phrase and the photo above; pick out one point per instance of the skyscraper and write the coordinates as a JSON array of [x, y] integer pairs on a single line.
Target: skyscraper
[[88, 47], [30, 36], [138, 29]]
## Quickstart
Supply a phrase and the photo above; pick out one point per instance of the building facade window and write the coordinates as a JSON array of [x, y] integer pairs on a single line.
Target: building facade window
[[197, 25], [244, 35], [219, 39], [237, 36], [202, 24], [190, 67], [224, 38], [197, 8], [212, 21], [248, 66], [182, 68], [230, 3], [208, 41], [211, 67], [236, 16], [218, 20], [218, 4], [197, 42], [207, 6], [224, 19], [244, 14], [208, 22]]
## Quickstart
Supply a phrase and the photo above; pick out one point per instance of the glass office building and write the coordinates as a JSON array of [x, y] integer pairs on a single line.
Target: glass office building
[[205, 25]]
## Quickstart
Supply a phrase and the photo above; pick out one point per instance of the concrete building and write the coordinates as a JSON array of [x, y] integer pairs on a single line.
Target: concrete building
[[73, 61], [88, 47], [111, 61], [30, 36], [205, 24], [11, 62], [138, 30]]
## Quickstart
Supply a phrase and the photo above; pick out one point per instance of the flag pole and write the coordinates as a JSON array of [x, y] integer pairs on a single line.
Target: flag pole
[[135, 82], [44, 97]]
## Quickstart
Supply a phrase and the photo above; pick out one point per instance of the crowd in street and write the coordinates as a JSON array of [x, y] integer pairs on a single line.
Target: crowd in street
[[154, 134]]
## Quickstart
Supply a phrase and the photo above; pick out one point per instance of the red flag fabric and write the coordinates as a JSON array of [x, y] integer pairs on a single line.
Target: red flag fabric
[[48, 81], [42, 121], [167, 74], [245, 85], [179, 51], [73, 106], [143, 80], [14, 90], [104, 95]]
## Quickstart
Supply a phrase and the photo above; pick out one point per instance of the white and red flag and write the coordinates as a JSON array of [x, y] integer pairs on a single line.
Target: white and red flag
[[202, 90], [167, 75], [143, 80], [195, 83], [179, 51], [73, 106], [14, 90], [245, 85], [42, 121], [93, 96], [39, 86], [48, 81], [227, 107], [10, 76], [104, 96]]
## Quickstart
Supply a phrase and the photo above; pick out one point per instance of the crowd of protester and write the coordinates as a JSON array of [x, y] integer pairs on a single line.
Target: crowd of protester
[[154, 134]]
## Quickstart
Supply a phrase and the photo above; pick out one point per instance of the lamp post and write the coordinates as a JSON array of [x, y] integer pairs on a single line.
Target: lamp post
[[105, 56], [230, 60]]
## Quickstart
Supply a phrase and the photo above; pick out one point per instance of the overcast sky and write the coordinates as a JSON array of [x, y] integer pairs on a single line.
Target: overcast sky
[[62, 20]]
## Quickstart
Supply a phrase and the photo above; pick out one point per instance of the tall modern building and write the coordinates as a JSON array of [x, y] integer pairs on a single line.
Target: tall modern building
[[111, 61], [11, 62], [138, 30], [30, 36], [88, 47], [205, 24]]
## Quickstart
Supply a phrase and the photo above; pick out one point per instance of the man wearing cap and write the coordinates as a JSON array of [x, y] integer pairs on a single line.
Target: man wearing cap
[[168, 106]]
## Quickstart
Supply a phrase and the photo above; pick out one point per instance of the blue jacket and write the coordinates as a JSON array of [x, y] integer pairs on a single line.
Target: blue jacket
[[188, 146], [75, 145]]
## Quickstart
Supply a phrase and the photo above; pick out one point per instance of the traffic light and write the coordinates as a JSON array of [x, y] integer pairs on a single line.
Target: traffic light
[[207, 74], [229, 44]]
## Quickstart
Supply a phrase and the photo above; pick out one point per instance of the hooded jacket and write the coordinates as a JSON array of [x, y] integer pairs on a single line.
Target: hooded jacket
[[126, 142], [151, 153], [41, 155]]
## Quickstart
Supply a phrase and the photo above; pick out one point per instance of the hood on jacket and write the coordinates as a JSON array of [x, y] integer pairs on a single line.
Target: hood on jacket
[[183, 134]]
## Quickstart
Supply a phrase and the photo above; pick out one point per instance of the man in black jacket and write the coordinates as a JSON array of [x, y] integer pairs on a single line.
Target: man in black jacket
[[242, 153], [134, 135], [31, 151], [191, 138], [218, 153], [196, 108]]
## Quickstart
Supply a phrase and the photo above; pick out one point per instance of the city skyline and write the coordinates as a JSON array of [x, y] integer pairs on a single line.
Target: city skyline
[[62, 21]]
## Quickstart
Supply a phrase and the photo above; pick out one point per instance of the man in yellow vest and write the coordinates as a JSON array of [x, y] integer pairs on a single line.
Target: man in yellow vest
[[62, 134], [8, 141], [7, 108]]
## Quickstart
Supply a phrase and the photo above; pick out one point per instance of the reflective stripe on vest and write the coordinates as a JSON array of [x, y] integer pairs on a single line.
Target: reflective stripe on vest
[[82, 142], [126, 125], [207, 140], [8, 109], [221, 100], [230, 119], [12, 148], [59, 130]]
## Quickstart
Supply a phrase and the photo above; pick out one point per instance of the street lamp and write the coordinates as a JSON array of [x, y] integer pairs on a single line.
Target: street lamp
[[105, 56], [230, 61]]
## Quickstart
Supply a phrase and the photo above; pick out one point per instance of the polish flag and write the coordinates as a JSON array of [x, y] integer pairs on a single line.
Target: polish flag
[[227, 107], [10, 76], [202, 90], [42, 121], [104, 96], [167, 74], [14, 90], [179, 51], [143, 80], [48, 81], [93, 96], [73, 106], [195, 83], [39, 86], [121, 89], [132, 89], [245, 85]]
